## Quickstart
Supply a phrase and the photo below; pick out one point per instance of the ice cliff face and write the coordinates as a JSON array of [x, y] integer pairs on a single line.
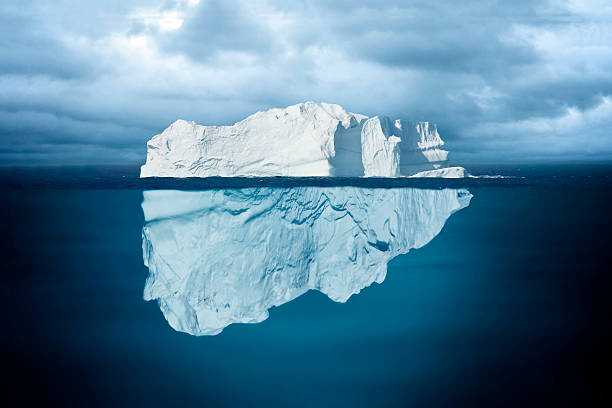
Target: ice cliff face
[[308, 139], [396, 148], [226, 256]]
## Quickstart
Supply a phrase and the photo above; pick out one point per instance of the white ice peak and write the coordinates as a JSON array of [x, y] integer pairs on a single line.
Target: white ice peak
[[227, 256], [308, 139]]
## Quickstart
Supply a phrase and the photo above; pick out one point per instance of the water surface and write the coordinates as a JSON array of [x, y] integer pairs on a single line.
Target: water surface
[[508, 304]]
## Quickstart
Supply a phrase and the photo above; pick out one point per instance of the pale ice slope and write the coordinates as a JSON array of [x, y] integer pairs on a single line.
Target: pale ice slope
[[227, 256], [295, 141], [446, 172], [308, 139]]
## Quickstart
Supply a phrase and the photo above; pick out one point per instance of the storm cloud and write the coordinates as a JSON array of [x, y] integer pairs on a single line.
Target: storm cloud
[[90, 83]]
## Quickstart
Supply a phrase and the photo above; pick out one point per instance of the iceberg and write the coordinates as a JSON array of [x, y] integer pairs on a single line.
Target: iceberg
[[307, 139], [227, 256]]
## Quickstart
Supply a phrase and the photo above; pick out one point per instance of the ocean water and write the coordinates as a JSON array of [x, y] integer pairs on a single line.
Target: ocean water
[[507, 305]]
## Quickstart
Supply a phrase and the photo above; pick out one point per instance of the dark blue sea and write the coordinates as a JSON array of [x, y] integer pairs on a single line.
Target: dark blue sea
[[508, 304]]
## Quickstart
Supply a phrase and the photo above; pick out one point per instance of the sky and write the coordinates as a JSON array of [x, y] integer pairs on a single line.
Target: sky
[[91, 82]]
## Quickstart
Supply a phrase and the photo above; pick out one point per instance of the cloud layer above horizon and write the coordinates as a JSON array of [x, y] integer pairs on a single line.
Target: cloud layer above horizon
[[504, 81]]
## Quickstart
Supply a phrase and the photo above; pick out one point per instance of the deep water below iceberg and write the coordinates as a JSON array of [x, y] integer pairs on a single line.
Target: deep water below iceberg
[[507, 305]]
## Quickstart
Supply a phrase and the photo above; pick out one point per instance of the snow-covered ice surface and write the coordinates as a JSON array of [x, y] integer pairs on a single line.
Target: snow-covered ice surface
[[227, 256], [446, 172], [308, 139]]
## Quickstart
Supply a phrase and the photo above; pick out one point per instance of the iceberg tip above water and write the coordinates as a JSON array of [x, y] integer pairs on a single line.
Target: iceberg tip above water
[[307, 139]]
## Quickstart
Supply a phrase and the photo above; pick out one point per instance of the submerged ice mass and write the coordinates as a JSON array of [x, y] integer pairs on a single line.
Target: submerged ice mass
[[227, 256], [308, 139]]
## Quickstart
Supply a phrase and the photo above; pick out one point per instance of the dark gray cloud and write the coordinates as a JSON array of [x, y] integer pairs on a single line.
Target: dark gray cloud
[[467, 38], [217, 26], [27, 48], [91, 82]]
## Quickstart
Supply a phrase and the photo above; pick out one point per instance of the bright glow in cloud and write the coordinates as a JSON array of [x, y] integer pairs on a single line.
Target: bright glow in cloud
[[164, 21]]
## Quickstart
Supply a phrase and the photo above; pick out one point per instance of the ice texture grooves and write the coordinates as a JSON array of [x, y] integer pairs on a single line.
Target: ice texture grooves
[[307, 139], [227, 256]]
